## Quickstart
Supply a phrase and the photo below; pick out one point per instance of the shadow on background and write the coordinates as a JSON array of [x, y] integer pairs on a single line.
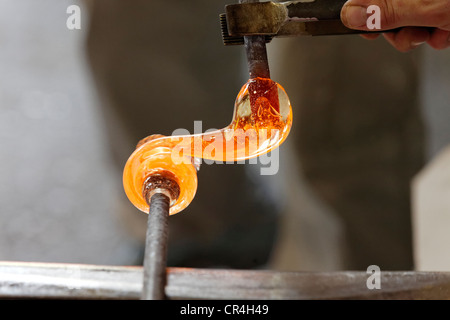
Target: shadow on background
[[75, 103]]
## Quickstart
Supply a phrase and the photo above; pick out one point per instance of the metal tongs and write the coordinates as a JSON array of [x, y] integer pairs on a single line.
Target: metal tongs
[[283, 19]]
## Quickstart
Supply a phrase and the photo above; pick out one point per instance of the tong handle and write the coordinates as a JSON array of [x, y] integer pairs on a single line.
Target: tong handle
[[319, 9]]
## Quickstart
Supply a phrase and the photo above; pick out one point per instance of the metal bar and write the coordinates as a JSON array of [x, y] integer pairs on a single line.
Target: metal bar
[[317, 9], [77, 281], [155, 256], [69, 281], [255, 48], [257, 61]]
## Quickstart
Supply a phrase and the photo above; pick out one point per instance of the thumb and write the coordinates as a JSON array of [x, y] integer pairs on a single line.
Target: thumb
[[391, 14]]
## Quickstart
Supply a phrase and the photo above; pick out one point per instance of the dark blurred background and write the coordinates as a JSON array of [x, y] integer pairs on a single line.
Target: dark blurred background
[[74, 103]]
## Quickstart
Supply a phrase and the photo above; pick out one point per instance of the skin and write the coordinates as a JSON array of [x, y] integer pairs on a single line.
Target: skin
[[423, 21]]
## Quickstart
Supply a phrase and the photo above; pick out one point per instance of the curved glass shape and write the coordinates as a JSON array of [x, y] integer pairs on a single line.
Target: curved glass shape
[[262, 119]]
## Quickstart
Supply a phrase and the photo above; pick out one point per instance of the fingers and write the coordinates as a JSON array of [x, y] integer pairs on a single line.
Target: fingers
[[408, 38], [430, 18], [440, 39], [397, 13]]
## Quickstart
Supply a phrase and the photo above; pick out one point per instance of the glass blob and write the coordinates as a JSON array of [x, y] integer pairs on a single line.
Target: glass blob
[[262, 119]]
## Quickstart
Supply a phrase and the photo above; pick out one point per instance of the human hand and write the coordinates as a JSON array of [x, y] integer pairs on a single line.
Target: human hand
[[424, 21]]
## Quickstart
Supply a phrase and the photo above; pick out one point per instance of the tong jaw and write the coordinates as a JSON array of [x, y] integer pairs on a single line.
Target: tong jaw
[[282, 19]]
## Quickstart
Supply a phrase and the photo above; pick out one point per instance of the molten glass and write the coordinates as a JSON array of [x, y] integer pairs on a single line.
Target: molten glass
[[261, 121]]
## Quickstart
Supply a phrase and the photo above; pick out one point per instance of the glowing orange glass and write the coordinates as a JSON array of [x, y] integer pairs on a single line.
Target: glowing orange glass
[[261, 121]]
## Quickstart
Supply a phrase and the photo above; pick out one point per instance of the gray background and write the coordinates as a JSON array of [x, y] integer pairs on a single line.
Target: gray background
[[59, 187]]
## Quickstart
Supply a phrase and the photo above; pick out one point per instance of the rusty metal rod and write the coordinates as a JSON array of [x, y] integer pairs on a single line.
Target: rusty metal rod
[[257, 62], [155, 256], [255, 48]]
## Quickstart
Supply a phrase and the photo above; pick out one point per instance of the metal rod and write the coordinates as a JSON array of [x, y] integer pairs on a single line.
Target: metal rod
[[255, 48], [155, 256], [257, 62]]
